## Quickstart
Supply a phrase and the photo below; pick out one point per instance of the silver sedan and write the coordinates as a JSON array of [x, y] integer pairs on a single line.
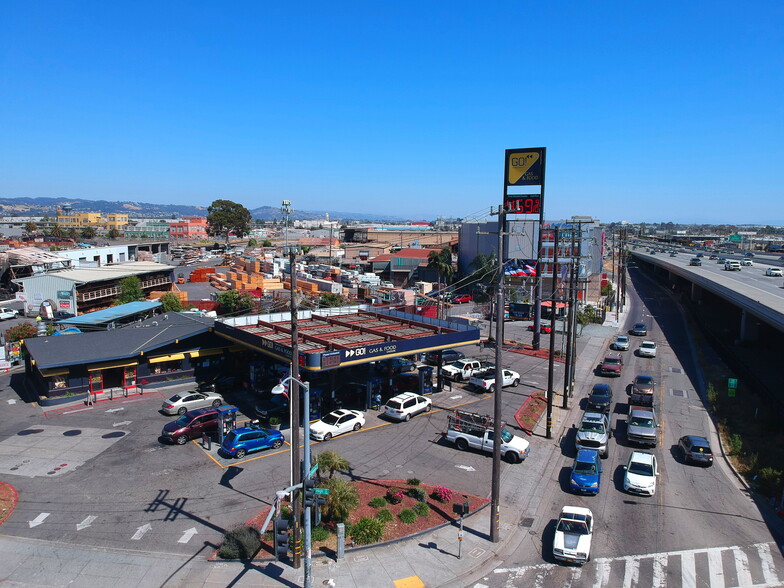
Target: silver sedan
[[182, 403]]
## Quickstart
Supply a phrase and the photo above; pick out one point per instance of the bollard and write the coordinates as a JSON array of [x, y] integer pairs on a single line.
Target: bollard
[[341, 530], [206, 441]]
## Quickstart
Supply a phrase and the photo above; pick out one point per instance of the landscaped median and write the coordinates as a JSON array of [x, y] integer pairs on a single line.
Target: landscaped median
[[373, 511], [8, 500], [531, 411]]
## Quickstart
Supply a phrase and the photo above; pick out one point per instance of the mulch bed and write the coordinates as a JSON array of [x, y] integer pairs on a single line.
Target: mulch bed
[[531, 411], [8, 500], [440, 513]]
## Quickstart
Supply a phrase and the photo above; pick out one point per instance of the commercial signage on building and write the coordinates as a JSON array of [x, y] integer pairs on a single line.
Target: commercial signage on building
[[524, 167]]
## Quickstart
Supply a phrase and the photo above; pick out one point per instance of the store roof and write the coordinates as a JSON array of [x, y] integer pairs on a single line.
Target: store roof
[[108, 315], [107, 272]]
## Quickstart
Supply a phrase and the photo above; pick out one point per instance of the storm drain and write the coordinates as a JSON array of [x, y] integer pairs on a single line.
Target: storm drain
[[676, 370], [527, 522], [681, 393]]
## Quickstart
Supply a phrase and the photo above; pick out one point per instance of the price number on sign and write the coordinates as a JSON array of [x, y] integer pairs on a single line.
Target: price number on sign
[[523, 204]]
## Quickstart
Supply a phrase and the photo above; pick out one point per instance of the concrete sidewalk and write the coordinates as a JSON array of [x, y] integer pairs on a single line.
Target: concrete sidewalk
[[430, 559]]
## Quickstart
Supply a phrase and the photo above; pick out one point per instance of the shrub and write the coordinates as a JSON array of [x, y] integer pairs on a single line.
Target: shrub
[[394, 495], [319, 533], [342, 499], [712, 396], [385, 515], [769, 480], [736, 444], [240, 543], [442, 494], [417, 494], [378, 502], [367, 530], [422, 509], [407, 515], [413, 482]]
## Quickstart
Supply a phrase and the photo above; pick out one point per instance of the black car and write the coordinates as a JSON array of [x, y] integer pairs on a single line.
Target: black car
[[275, 405], [600, 398], [696, 450], [447, 356], [639, 329]]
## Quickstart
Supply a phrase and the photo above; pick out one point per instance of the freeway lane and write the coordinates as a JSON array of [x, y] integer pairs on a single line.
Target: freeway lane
[[700, 528]]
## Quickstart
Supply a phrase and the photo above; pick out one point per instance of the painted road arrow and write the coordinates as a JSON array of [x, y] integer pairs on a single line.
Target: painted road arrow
[[466, 468], [456, 397], [115, 409], [141, 531], [38, 520], [85, 523], [121, 423], [11, 401], [186, 536]]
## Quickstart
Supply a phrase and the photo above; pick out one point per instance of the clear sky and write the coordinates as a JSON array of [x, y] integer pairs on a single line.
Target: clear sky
[[650, 111]]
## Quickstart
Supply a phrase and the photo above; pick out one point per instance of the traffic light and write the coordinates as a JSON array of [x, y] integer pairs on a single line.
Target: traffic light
[[308, 493], [281, 537]]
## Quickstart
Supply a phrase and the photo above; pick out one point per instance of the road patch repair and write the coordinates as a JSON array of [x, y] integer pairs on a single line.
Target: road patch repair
[[47, 451]]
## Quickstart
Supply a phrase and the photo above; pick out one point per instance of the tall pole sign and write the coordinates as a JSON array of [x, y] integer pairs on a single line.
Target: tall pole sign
[[526, 167]]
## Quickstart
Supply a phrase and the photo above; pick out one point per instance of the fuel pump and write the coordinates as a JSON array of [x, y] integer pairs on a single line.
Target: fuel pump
[[426, 380], [227, 420]]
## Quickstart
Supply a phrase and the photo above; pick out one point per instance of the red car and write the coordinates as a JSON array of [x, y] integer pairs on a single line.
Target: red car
[[461, 298], [542, 328]]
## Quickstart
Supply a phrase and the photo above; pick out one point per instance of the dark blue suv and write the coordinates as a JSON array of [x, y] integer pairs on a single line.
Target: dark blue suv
[[587, 472], [239, 442]]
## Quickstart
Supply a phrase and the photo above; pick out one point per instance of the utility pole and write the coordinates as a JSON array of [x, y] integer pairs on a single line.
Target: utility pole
[[296, 466], [285, 208], [567, 383], [495, 500], [550, 365], [538, 296]]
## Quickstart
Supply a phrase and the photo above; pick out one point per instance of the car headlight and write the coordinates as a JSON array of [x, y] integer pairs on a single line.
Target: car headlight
[[594, 485], [558, 551]]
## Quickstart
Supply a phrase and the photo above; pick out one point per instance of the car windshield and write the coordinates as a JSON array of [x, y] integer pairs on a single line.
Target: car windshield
[[612, 360], [506, 436], [622, 339], [183, 421], [459, 364], [175, 398], [569, 526], [329, 419], [592, 427], [641, 422], [644, 381], [641, 469], [584, 467], [648, 345], [599, 394]]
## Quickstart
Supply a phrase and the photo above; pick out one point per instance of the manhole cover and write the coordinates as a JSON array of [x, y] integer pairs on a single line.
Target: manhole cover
[[113, 435], [72, 433], [527, 522], [676, 370], [679, 393], [30, 431]]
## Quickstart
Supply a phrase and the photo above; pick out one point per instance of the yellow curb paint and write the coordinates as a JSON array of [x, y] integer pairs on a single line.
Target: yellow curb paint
[[410, 582]]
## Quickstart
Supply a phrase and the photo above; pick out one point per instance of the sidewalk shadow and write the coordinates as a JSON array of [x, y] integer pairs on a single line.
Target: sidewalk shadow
[[434, 545]]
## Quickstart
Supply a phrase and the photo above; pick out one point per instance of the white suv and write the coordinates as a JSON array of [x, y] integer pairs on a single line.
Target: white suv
[[403, 406], [732, 265], [746, 261]]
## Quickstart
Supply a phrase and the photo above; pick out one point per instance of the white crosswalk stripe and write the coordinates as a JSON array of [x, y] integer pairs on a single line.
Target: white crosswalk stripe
[[717, 567]]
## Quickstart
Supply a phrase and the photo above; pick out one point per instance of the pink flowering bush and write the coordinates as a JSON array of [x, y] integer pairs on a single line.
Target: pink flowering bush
[[442, 494], [395, 495]]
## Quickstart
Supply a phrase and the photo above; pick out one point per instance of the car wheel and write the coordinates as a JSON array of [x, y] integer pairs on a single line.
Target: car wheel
[[216, 403], [182, 410], [605, 454], [328, 436], [428, 408], [182, 439], [241, 453], [407, 418], [458, 378], [510, 457], [358, 426], [491, 389], [277, 444], [515, 383], [461, 444]]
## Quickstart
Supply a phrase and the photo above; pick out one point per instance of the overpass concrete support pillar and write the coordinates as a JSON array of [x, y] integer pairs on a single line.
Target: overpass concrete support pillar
[[749, 327], [696, 292]]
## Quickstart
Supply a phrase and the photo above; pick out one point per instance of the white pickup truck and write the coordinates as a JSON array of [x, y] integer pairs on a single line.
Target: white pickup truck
[[467, 429], [463, 369], [486, 380], [7, 313]]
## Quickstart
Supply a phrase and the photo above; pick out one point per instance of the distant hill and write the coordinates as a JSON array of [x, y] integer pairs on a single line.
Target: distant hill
[[43, 206]]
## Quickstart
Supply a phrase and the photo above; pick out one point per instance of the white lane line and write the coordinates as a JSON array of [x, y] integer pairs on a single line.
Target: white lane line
[[742, 568], [768, 567], [631, 573], [602, 573], [688, 573], [659, 579], [715, 569]]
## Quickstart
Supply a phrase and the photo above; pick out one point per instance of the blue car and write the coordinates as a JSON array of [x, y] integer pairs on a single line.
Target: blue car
[[587, 472], [239, 442]]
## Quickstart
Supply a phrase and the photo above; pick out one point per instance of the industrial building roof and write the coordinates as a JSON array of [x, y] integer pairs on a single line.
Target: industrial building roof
[[109, 315], [107, 272]]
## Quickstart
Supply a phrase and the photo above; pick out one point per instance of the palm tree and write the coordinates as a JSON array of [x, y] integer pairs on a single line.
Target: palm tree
[[341, 500], [441, 261], [31, 228], [331, 461]]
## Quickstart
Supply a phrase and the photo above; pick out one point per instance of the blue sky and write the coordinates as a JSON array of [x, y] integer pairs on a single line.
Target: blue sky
[[666, 111]]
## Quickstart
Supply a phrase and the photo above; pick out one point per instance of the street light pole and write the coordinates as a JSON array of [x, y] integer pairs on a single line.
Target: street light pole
[[296, 466]]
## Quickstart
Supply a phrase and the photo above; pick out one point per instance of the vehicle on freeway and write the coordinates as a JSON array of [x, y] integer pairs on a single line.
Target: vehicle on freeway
[[461, 299], [336, 423], [542, 328], [486, 380], [700, 254], [594, 433], [586, 473], [696, 449], [612, 365], [182, 403], [239, 442], [468, 429], [600, 398], [640, 473], [673, 254], [746, 261], [647, 349], [7, 313], [621, 343], [274, 405], [695, 261], [639, 329], [447, 356], [573, 535], [732, 265], [774, 272], [643, 384], [641, 426], [403, 406], [191, 425], [713, 256], [721, 260]]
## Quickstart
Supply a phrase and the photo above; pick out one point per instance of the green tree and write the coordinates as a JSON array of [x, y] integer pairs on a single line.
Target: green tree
[[31, 228], [113, 234], [170, 303], [330, 461], [341, 500], [225, 216], [235, 302], [73, 233], [441, 261], [130, 290], [22, 331], [57, 231], [329, 299], [266, 243], [252, 242], [88, 233]]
